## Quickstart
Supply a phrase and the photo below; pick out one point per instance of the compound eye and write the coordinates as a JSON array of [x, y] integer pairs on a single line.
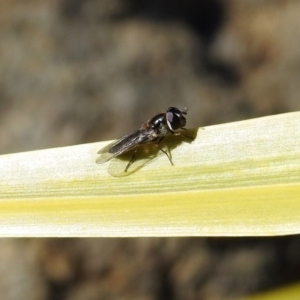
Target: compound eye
[[175, 119]]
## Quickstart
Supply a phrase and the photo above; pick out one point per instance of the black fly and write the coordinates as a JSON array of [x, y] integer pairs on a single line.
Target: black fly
[[152, 131]]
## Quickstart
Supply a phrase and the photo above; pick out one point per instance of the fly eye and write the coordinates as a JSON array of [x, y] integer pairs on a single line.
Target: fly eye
[[175, 119]]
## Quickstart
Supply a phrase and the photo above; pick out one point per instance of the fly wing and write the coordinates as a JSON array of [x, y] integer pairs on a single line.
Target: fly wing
[[105, 155], [124, 144]]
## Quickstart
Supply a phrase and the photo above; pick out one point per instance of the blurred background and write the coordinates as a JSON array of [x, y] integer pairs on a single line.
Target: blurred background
[[80, 71]]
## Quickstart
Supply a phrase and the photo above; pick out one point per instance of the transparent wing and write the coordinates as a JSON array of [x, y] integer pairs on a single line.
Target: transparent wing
[[145, 154], [124, 144], [105, 155]]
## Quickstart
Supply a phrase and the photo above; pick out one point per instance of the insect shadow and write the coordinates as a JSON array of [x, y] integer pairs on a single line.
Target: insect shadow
[[144, 154]]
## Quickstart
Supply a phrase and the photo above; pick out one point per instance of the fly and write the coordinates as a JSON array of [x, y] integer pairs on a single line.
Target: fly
[[150, 132]]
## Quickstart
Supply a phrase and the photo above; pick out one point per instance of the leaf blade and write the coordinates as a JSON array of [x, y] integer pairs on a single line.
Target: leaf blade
[[236, 179]]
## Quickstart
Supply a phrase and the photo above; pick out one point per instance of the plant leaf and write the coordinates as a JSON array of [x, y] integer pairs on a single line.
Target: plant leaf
[[236, 179]]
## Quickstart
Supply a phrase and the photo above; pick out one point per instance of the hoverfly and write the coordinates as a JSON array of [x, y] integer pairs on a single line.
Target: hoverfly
[[150, 132]]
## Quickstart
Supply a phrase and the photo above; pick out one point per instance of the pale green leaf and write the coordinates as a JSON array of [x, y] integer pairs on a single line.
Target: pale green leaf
[[236, 179]]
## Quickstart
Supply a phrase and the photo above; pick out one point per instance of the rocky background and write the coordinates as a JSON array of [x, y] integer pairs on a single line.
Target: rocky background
[[78, 71]]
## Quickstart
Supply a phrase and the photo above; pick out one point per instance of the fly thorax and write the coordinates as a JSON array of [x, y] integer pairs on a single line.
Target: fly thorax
[[163, 129]]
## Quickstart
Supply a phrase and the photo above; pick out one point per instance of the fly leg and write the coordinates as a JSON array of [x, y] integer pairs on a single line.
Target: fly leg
[[165, 152], [131, 161], [179, 133]]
